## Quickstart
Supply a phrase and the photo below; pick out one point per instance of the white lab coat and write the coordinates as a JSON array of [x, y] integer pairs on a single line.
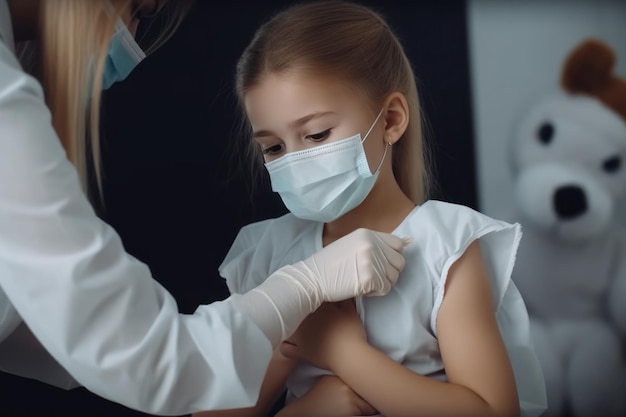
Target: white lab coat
[[95, 308]]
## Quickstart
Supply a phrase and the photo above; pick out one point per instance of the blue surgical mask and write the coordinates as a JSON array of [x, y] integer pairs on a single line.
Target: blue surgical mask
[[324, 182], [123, 56]]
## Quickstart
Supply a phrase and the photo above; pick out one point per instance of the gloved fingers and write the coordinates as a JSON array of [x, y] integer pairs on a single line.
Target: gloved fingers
[[385, 282], [387, 262], [392, 248], [393, 241], [381, 276], [392, 275]]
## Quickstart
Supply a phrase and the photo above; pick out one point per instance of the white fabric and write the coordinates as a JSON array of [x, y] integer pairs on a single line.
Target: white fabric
[[362, 262], [9, 318], [94, 307], [6, 28], [402, 323]]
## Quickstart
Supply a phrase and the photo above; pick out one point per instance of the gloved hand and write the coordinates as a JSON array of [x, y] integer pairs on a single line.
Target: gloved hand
[[363, 262]]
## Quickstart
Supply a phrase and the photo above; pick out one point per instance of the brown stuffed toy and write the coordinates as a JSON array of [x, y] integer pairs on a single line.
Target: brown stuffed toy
[[569, 161], [589, 70]]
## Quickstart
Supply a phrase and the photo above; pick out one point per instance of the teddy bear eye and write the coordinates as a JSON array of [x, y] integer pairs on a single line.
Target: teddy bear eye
[[545, 133], [612, 164]]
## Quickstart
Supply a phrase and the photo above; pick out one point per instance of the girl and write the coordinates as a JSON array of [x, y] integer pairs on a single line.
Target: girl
[[333, 108]]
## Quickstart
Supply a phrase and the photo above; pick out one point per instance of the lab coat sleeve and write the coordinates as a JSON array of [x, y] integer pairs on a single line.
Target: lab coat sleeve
[[23, 355], [95, 308]]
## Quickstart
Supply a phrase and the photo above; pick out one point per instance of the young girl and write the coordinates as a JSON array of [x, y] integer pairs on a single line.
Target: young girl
[[332, 104]]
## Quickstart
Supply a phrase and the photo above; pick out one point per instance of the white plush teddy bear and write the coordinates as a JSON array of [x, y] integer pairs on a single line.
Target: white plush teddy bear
[[569, 162]]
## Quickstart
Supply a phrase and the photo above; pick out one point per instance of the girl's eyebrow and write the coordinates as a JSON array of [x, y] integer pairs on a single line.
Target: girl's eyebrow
[[261, 133], [297, 123], [303, 120]]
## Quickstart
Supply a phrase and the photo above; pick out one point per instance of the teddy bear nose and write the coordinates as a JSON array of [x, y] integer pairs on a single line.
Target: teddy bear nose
[[569, 201]]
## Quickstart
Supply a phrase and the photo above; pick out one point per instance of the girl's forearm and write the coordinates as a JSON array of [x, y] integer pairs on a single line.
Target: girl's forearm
[[396, 391]]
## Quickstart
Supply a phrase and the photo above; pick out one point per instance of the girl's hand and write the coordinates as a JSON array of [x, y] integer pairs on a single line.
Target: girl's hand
[[325, 336], [329, 397]]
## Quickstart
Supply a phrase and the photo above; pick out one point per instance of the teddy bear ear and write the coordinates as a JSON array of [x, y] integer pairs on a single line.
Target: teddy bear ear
[[588, 68]]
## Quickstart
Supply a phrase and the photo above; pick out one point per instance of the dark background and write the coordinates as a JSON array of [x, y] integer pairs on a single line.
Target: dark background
[[172, 187]]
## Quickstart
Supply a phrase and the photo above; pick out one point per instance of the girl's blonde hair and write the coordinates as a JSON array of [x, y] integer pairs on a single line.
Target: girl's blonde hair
[[75, 36], [355, 44]]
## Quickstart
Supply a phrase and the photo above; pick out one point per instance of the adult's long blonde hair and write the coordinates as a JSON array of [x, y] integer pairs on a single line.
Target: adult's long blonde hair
[[356, 45], [75, 36]]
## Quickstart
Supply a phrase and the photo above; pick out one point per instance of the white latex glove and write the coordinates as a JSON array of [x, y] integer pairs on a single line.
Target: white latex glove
[[363, 262]]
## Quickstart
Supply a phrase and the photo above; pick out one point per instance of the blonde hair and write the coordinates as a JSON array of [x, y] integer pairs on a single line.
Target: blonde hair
[[75, 36], [355, 44]]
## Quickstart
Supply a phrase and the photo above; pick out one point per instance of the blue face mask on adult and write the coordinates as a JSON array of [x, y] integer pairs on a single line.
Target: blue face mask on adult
[[123, 56]]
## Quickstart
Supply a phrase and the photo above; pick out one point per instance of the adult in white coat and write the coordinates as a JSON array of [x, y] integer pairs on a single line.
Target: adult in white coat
[[66, 283]]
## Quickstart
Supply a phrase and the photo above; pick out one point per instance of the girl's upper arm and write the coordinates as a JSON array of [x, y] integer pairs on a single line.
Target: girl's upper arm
[[472, 349]]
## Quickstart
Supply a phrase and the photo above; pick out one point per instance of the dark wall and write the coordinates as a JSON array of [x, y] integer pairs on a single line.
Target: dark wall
[[170, 187]]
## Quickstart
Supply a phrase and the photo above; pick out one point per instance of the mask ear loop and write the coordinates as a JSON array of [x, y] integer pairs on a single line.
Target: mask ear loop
[[387, 145], [372, 126]]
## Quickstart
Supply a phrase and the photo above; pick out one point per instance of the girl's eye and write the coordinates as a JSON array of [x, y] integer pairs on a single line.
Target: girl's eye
[[272, 150], [319, 136]]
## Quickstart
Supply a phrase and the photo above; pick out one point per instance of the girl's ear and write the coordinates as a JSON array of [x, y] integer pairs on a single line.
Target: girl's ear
[[396, 117]]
